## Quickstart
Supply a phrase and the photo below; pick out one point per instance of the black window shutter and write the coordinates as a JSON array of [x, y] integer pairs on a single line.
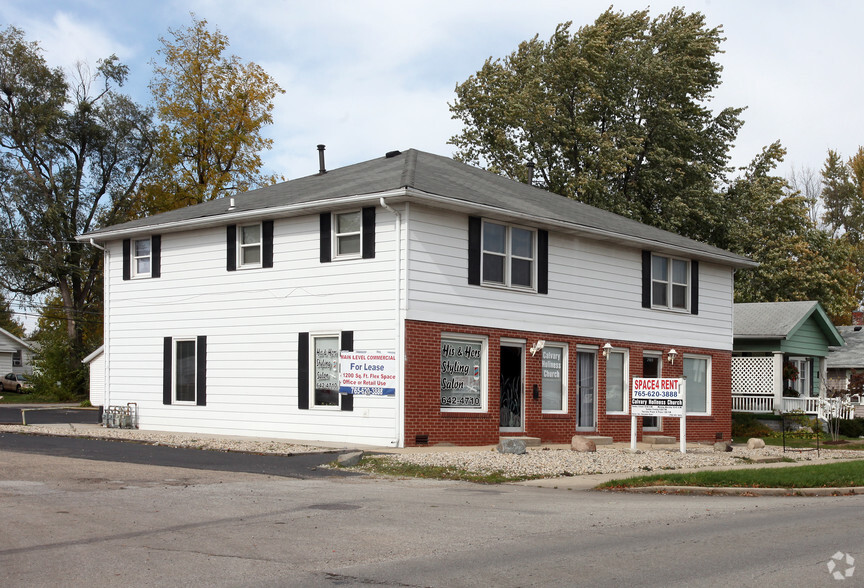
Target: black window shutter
[[646, 279], [127, 259], [474, 229], [167, 356], [325, 237], [303, 371], [267, 243], [156, 256], [368, 245], [201, 371], [542, 262], [347, 338], [694, 287], [231, 247]]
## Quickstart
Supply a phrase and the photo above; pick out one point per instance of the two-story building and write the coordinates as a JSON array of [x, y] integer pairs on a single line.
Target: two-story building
[[510, 311]]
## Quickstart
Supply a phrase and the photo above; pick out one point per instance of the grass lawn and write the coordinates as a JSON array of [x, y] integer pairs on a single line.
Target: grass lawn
[[15, 398], [832, 475], [805, 443]]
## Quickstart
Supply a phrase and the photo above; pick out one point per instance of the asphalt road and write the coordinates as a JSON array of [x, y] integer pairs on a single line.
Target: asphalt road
[[304, 465], [87, 522], [45, 415]]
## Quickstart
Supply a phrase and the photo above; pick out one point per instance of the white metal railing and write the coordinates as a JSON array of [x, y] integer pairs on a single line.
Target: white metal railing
[[752, 403]]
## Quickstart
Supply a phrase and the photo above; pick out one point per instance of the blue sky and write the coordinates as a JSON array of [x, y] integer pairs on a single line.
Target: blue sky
[[366, 77]]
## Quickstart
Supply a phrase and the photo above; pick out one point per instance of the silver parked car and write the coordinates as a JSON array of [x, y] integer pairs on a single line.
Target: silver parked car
[[15, 383]]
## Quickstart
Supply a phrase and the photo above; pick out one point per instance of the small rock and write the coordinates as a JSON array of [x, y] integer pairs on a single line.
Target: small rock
[[755, 443], [515, 446], [581, 444], [350, 459], [722, 446]]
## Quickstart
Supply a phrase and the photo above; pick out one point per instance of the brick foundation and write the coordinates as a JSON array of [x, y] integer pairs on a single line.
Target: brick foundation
[[424, 419]]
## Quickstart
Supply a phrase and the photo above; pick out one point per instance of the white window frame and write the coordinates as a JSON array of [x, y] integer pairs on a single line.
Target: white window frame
[[565, 362], [313, 379], [241, 246], [508, 256], [667, 280], [17, 358], [136, 258], [484, 371], [337, 235], [707, 358], [174, 365], [625, 385]]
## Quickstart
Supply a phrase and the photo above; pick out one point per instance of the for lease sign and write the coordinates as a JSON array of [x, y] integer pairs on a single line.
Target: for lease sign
[[657, 397], [367, 373]]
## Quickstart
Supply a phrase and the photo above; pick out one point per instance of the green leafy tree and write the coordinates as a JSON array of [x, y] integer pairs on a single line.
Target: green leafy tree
[[8, 320], [213, 109], [797, 260], [616, 115], [842, 204], [72, 154]]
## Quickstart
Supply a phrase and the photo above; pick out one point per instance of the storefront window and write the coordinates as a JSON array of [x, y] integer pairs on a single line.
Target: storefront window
[[462, 374], [553, 379]]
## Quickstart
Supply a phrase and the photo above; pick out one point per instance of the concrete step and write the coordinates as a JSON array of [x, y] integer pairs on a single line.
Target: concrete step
[[599, 439], [529, 441], [658, 439]]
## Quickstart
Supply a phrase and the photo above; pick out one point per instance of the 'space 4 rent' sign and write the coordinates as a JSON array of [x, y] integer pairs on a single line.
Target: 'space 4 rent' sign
[[661, 397]]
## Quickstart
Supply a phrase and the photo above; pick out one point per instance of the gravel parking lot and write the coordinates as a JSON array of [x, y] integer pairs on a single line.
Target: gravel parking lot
[[545, 461]]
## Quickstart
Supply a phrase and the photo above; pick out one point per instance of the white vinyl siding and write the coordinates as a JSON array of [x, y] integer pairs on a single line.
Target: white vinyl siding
[[595, 290], [252, 321]]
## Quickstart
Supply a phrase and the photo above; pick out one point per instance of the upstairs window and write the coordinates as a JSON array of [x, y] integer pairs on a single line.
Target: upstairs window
[[347, 234], [249, 245], [509, 255], [670, 282], [141, 258]]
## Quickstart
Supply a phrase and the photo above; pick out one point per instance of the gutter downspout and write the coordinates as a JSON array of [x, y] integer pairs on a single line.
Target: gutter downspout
[[398, 326]]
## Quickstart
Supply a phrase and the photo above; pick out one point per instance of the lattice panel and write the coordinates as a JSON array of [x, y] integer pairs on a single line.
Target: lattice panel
[[752, 375]]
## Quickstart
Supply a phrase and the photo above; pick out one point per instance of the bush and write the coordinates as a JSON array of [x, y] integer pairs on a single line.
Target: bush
[[852, 427], [747, 425]]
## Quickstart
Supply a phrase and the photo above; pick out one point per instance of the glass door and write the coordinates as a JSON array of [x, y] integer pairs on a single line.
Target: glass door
[[586, 408], [512, 392]]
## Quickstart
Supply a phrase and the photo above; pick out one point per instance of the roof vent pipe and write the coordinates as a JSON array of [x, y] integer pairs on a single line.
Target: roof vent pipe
[[322, 169], [530, 173]]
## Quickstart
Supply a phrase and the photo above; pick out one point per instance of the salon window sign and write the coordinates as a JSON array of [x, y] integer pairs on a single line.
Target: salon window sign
[[461, 374], [367, 373]]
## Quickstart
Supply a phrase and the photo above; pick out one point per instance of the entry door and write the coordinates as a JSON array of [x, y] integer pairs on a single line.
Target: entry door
[[651, 366], [512, 389], [586, 368]]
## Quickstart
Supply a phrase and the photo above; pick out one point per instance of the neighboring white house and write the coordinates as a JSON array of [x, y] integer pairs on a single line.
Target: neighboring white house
[[229, 317], [16, 355], [96, 364]]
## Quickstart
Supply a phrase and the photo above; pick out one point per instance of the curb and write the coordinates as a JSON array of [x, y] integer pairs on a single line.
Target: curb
[[726, 491]]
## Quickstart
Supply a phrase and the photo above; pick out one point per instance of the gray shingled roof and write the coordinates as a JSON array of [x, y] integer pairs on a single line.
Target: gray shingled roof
[[778, 320], [850, 355], [432, 179]]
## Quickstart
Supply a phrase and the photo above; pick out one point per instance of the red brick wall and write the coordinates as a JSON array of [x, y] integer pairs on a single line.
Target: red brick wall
[[423, 415]]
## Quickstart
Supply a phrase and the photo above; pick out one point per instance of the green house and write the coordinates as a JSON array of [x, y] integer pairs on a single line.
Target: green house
[[779, 356]]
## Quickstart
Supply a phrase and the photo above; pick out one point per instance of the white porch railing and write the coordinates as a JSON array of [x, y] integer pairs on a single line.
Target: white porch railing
[[805, 405], [761, 403], [752, 403]]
